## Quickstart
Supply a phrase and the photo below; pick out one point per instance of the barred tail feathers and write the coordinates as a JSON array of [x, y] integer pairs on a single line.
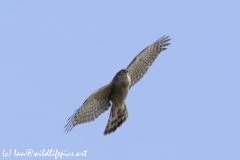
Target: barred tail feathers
[[116, 118]]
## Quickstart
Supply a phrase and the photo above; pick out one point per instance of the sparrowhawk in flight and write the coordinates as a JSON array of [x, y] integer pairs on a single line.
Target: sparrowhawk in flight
[[116, 91]]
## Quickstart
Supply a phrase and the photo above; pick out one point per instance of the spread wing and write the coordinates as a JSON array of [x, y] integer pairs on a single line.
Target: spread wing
[[96, 104], [140, 64]]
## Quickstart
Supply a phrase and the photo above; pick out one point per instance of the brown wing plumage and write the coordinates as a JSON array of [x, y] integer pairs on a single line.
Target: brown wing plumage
[[96, 104], [140, 64]]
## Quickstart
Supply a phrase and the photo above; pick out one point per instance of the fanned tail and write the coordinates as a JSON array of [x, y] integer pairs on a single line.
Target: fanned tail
[[116, 119]]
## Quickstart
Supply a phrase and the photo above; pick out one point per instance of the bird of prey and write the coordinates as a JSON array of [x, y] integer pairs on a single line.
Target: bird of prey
[[116, 91]]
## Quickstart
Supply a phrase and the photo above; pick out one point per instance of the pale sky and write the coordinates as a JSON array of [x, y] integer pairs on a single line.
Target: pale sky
[[54, 54]]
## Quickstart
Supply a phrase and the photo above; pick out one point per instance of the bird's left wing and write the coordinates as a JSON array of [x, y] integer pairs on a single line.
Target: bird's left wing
[[140, 64], [96, 104]]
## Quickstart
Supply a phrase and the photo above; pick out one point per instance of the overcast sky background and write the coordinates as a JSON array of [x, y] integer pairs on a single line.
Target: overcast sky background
[[54, 54]]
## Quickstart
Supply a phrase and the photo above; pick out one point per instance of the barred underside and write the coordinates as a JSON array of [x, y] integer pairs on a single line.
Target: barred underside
[[116, 119], [96, 104], [140, 64]]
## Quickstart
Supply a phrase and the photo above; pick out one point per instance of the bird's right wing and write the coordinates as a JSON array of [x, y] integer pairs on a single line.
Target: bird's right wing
[[140, 64], [96, 104]]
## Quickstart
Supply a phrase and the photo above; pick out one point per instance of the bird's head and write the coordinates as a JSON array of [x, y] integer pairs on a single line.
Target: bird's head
[[122, 75], [122, 72]]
